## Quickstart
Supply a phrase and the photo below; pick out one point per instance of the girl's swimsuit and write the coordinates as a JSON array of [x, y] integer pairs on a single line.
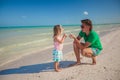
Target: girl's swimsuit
[[57, 52]]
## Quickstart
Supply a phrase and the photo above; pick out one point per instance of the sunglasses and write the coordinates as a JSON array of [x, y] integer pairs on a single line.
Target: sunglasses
[[82, 26]]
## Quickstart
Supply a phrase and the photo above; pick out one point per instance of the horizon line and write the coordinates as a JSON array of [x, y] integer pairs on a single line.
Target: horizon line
[[53, 25]]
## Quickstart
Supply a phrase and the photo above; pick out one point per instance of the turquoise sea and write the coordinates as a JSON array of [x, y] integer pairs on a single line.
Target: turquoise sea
[[16, 41]]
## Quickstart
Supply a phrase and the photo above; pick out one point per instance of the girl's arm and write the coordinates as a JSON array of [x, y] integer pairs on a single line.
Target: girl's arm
[[62, 40]]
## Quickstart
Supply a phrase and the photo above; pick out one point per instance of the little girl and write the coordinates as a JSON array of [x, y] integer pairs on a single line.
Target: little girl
[[58, 46]]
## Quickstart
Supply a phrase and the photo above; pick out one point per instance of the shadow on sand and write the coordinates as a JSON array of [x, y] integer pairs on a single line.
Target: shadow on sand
[[37, 68]]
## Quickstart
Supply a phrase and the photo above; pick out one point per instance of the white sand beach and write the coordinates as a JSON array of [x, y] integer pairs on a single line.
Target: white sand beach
[[31, 67]]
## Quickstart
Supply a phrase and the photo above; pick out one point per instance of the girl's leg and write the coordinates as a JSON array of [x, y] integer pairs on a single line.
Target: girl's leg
[[59, 66], [56, 65]]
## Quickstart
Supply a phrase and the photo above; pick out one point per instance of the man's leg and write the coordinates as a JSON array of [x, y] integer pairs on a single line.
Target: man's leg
[[94, 60], [77, 52], [87, 52]]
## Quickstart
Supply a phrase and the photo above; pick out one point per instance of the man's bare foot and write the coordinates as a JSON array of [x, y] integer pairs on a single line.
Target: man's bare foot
[[93, 60], [75, 64]]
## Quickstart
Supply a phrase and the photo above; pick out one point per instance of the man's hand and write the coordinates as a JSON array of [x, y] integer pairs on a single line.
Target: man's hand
[[72, 36]]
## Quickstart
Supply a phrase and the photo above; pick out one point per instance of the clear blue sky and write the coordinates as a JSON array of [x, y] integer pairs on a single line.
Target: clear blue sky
[[50, 12]]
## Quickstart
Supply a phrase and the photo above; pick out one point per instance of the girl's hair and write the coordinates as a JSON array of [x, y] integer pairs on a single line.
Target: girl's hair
[[56, 30], [88, 22]]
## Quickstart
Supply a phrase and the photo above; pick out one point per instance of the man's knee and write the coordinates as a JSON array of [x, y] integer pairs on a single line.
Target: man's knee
[[86, 53]]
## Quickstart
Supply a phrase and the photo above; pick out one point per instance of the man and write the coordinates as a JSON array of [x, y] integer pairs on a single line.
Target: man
[[92, 46]]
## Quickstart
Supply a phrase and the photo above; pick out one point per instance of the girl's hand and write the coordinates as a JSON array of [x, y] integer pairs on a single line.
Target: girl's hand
[[72, 36], [65, 35]]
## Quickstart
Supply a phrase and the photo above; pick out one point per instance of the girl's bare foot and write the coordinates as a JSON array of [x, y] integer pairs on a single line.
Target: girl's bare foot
[[60, 68], [57, 70]]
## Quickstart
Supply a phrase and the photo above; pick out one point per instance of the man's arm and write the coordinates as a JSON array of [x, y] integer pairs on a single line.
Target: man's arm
[[78, 37], [81, 46], [77, 41]]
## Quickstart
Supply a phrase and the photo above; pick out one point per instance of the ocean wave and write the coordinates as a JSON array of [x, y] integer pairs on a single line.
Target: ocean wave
[[72, 30], [32, 42], [40, 34], [23, 44], [111, 29], [51, 33]]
